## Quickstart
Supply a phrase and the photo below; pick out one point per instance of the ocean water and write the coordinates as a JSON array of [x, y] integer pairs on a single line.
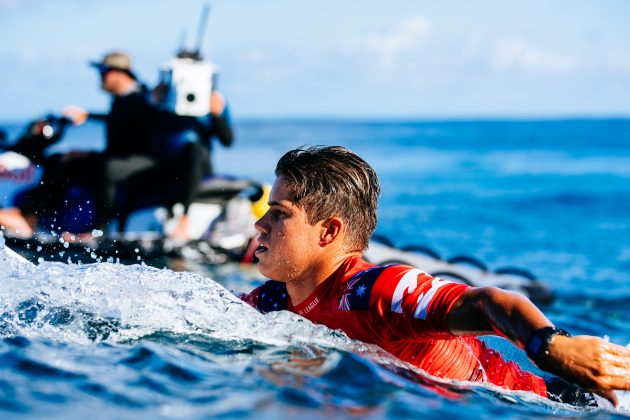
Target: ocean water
[[114, 341]]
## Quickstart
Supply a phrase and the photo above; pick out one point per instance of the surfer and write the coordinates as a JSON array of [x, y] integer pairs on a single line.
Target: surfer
[[322, 213]]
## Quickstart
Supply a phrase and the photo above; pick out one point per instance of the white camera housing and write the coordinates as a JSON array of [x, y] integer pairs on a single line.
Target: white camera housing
[[189, 85]]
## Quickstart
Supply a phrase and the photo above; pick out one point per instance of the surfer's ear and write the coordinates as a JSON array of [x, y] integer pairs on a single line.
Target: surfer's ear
[[331, 231]]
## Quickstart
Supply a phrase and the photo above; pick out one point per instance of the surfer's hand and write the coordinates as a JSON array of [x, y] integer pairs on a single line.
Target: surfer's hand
[[76, 114], [590, 362]]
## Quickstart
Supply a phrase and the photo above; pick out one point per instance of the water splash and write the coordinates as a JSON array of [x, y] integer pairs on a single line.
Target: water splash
[[117, 303]]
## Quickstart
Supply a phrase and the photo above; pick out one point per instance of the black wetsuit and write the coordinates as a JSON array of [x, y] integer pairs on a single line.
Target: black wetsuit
[[127, 156]]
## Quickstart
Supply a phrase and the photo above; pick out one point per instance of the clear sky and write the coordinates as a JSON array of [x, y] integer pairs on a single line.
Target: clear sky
[[334, 58]]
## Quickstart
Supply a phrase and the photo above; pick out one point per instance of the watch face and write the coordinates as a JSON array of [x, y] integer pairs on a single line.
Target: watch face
[[534, 344], [538, 342]]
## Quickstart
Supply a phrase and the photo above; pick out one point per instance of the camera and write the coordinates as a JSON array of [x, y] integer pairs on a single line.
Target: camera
[[188, 84]]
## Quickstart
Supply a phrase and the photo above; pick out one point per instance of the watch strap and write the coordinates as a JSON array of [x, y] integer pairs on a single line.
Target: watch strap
[[538, 342]]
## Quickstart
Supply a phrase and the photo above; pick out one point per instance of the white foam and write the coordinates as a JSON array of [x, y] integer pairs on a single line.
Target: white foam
[[137, 301], [10, 260]]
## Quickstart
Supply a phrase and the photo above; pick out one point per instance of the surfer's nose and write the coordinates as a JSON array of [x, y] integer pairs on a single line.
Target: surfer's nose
[[260, 224]]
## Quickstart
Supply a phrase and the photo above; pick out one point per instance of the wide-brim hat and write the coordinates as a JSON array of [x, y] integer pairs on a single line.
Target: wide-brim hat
[[116, 60]]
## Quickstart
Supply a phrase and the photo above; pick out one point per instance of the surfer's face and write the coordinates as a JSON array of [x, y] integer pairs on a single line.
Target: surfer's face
[[289, 245]]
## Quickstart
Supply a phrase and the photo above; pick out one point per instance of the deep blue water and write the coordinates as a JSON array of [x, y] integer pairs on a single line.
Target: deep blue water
[[113, 341]]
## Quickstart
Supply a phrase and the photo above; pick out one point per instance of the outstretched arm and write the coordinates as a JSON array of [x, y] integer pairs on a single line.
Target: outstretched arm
[[79, 115], [588, 361]]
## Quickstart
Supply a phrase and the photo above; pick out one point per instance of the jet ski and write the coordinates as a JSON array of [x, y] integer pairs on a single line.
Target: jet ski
[[221, 216]]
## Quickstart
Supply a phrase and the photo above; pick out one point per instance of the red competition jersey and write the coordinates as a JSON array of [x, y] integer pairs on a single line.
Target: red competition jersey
[[404, 311]]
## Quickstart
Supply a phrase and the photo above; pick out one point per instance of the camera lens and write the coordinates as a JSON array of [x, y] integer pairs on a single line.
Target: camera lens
[[190, 97]]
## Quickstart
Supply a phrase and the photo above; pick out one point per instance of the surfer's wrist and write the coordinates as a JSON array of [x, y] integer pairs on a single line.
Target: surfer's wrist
[[538, 344]]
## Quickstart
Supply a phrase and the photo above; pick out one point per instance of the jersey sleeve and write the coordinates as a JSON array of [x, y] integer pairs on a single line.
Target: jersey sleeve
[[413, 304], [270, 297]]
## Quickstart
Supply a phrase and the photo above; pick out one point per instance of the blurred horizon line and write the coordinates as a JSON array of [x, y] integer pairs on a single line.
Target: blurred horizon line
[[323, 118]]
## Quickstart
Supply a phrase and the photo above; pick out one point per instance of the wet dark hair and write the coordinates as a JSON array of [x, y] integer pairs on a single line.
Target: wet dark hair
[[329, 181]]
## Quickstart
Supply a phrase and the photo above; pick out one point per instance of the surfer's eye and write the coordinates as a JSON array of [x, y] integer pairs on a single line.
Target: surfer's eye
[[277, 214]]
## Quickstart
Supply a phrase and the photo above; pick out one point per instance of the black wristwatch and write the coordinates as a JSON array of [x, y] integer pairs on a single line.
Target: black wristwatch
[[538, 342]]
